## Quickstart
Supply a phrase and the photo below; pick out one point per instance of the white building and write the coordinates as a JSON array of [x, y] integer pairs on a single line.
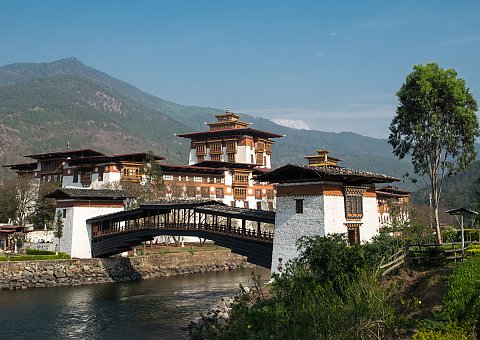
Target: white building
[[319, 199], [78, 205]]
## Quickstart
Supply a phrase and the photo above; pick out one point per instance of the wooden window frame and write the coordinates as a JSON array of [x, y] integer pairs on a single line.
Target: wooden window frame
[[299, 205]]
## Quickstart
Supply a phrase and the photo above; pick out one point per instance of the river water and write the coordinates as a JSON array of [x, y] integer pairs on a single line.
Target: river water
[[159, 308]]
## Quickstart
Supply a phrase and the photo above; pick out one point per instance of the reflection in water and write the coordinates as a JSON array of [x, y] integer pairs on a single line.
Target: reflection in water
[[158, 308]]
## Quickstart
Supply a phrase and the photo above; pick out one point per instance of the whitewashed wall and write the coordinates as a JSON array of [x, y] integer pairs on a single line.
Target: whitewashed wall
[[290, 226], [76, 240], [322, 215]]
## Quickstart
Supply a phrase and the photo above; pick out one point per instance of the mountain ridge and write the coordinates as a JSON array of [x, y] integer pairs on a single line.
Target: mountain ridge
[[89, 108]]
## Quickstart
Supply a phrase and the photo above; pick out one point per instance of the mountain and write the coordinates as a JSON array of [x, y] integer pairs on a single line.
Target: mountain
[[458, 191], [45, 105]]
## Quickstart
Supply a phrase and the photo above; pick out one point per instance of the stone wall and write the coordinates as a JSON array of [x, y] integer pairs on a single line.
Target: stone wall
[[39, 274]]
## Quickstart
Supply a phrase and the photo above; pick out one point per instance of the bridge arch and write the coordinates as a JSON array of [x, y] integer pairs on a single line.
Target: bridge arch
[[246, 232]]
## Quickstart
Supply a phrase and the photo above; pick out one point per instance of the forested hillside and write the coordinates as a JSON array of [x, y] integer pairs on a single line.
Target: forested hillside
[[462, 190], [43, 106]]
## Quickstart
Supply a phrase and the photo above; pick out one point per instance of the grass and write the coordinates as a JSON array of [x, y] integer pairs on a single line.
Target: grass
[[60, 256]]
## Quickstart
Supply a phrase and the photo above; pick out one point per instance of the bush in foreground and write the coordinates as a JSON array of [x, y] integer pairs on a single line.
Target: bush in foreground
[[330, 291]]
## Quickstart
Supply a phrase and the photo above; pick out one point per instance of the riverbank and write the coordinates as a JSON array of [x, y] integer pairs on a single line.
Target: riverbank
[[52, 273]]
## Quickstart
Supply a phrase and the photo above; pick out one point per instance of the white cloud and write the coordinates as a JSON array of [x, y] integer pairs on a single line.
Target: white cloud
[[291, 123], [367, 119]]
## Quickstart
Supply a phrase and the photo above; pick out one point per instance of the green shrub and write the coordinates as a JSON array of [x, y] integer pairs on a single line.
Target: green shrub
[[472, 234], [462, 300], [330, 291], [451, 234], [473, 249], [31, 251], [450, 330], [60, 256]]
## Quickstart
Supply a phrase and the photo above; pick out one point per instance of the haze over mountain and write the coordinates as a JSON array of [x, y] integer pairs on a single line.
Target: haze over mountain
[[45, 105]]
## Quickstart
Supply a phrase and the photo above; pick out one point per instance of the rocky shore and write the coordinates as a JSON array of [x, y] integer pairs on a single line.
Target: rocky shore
[[216, 317], [40, 274]]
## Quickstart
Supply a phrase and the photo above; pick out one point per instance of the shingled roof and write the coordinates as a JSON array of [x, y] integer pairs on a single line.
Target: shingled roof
[[89, 194], [295, 173]]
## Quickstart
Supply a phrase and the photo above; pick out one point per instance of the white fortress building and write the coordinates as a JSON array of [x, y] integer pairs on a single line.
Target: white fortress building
[[322, 198]]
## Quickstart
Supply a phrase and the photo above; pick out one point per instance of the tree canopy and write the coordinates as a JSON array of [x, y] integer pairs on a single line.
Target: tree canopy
[[436, 124]]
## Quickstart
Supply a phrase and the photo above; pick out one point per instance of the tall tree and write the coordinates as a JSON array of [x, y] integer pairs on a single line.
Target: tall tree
[[436, 124], [44, 214], [58, 229], [27, 194], [8, 200]]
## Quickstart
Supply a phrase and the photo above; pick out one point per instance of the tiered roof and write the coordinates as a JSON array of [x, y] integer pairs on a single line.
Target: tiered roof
[[228, 125]]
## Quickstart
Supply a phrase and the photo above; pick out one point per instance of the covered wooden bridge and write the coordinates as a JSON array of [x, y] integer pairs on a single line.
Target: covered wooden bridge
[[246, 232]]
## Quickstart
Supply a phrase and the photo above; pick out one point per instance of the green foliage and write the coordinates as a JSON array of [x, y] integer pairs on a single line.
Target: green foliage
[[442, 331], [436, 125], [450, 234], [473, 249], [58, 229], [153, 172], [8, 201], [60, 256], [31, 251], [462, 301], [472, 234], [330, 291], [435, 119], [44, 213], [66, 96]]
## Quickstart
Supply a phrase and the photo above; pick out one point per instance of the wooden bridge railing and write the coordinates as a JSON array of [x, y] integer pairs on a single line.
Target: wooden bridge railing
[[240, 232]]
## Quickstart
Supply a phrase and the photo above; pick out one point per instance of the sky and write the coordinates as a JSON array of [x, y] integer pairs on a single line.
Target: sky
[[325, 65]]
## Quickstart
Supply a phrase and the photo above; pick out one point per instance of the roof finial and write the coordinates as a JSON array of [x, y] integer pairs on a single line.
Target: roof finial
[[227, 110], [68, 145]]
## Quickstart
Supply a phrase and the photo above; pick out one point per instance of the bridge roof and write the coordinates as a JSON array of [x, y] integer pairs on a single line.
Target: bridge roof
[[203, 206]]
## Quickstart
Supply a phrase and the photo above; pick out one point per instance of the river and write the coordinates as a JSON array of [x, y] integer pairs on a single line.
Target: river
[[159, 308]]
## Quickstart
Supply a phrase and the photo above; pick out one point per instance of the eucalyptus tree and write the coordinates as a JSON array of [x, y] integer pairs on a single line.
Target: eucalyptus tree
[[436, 124]]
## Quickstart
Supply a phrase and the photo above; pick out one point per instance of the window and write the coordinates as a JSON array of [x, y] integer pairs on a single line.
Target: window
[[64, 213], [353, 207], [231, 158], [75, 175], [190, 191], [168, 177], [200, 149], [215, 148], [216, 158], [197, 179], [205, 191], [219, 192], [200, 159], [299, 206], [231, 147], [258, 194], [259, 158], [259, 205], [240, 193], [100, 173], [246, 205]]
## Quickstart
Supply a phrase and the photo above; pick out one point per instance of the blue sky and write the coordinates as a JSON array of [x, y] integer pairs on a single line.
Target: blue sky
[[333, 65]]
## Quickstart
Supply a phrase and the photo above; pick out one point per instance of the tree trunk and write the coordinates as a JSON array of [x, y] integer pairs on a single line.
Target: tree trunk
[[436, 203]]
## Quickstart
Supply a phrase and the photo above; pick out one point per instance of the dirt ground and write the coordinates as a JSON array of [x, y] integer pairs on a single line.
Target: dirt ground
[[419, 291]]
